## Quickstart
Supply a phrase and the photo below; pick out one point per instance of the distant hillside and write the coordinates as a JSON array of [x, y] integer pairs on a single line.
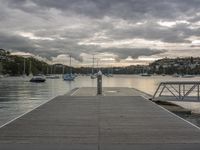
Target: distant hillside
[[14, 65], [187, 65]]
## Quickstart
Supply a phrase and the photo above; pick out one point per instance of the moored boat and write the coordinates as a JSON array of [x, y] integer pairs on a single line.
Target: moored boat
[[93, 76], [108, 75], [176, 75], [145, 75], [38, 78], [187, 76], [68, 77], [52, 76]]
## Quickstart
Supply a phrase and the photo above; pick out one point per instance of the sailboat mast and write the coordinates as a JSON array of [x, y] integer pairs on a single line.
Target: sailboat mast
[[47, 69], [112, 70], [63, 69], [93, 65], [30, 68], [24, 66], [70, 63], [52, 69], [97, 64]]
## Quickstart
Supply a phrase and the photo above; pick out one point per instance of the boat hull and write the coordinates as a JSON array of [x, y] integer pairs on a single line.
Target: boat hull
[[38, 79], [68, 77]]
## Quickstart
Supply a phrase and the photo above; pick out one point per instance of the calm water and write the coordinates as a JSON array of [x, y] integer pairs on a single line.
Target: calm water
[[18, 95]]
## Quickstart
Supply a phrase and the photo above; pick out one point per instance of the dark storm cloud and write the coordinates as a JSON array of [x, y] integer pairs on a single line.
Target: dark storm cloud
[[153, 31], [69, 22], [134, 9], [15, 42]]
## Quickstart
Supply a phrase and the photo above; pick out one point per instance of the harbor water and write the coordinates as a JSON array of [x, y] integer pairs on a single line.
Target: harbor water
[[18, 95]]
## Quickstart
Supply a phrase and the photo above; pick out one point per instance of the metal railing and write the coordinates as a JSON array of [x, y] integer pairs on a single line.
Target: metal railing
[[178, 89]]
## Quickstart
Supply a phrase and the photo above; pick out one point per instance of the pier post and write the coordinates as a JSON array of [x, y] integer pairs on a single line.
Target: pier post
[[99, 83]]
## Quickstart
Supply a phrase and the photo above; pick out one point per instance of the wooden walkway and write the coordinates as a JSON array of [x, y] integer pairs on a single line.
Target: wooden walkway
[[100, 123]]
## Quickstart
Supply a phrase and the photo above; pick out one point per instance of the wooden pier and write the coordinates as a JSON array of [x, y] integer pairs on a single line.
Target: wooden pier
[[115, 121]]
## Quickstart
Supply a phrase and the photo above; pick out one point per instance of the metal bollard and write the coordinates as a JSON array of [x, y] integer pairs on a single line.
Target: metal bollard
[[99, 83]]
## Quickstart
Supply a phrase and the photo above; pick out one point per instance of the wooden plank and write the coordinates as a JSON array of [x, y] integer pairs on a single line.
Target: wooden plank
[[101, 122]]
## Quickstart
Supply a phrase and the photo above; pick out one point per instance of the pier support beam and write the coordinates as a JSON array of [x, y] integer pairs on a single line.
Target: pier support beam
[[179, 90]]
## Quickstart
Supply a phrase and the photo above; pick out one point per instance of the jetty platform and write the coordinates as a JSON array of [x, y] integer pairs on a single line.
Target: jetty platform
[[120, 119]]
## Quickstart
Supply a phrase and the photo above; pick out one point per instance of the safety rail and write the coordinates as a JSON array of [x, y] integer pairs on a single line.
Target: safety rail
[[178, 89]]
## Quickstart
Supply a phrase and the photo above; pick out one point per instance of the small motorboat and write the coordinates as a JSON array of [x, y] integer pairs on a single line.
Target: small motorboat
[[68, 77], [52, 76], [38, 79], [176, 75], [108, 75], [187, 76], [145, 75], [93, 76]]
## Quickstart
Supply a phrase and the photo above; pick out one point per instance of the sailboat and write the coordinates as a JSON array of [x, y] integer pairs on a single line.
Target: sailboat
[[30, 69], [145, 73], [93, 76], [52, 75], [37, 78], [70, 76], [187, 75], [109, 72], [24, 71]]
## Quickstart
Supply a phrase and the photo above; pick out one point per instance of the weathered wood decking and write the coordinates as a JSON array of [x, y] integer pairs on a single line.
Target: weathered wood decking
[[100, 122]]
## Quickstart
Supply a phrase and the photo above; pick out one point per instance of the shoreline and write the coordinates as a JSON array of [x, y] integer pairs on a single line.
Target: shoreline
[[177, 109], [181, 112]]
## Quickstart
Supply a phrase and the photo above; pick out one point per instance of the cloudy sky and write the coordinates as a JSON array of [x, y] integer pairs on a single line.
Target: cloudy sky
[[116, 32]]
